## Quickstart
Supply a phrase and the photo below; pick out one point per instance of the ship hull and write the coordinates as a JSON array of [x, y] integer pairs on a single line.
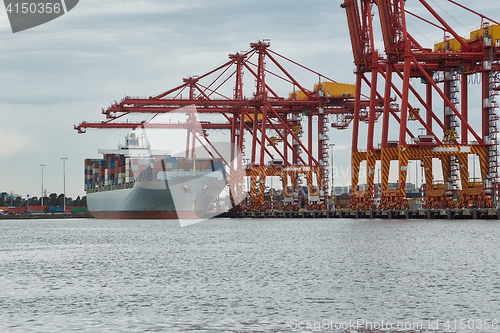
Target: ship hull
[[178, 198]]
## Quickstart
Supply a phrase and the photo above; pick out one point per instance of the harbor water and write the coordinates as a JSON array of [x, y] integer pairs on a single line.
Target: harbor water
[[250, 275]]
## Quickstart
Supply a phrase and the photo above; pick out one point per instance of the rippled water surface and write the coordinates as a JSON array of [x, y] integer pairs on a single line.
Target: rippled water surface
[[243, 276]]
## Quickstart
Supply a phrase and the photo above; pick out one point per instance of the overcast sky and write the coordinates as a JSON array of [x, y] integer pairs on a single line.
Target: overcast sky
[[63, 72]]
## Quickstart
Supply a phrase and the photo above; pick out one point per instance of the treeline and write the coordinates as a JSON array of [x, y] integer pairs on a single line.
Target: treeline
[[53, 200]]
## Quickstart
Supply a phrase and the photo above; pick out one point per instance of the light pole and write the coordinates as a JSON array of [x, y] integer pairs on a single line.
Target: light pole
[[42, 165], [331, 168], [64, 183]]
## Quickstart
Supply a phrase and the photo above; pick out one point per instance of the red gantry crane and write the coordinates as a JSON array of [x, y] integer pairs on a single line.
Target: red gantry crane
[[429, 87], [268, 129]]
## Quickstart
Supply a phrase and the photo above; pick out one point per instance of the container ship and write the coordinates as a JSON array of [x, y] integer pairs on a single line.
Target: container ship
[[134, 182]]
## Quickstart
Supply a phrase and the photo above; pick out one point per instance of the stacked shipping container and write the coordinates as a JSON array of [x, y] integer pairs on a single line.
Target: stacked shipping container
[[113, 169], [118, 169]]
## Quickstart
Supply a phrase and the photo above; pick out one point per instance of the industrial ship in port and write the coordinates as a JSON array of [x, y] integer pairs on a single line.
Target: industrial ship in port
[[134, 182]]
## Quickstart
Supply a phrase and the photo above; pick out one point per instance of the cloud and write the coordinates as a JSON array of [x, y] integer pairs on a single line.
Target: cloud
[[14, 142]]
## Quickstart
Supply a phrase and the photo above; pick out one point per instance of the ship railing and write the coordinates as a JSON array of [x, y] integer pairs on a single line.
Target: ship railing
[[111, 187]]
